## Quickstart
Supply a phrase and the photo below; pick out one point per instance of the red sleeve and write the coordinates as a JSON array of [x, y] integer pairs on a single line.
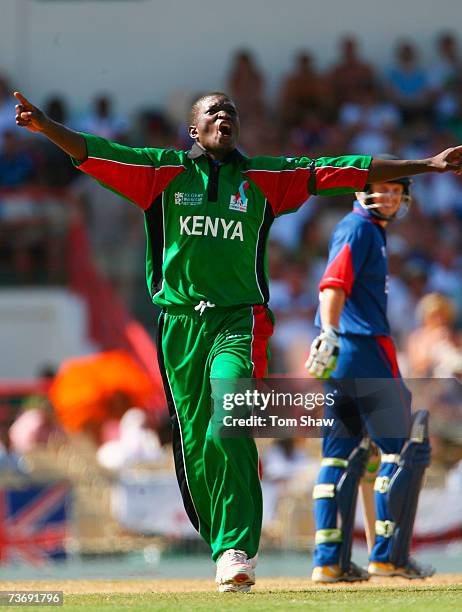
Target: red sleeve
[[139, 175], [339, 272], [286, 190], [287, 182]]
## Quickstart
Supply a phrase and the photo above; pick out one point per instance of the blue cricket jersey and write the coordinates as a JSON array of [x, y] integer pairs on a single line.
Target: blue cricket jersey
[[358, 264]]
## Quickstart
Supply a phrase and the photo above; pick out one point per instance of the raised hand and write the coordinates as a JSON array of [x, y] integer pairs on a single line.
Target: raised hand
[[450, 159], [28, 115]]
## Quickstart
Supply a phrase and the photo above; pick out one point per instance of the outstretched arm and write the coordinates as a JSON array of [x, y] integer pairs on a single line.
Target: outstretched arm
[[35, 120], [383, 170]]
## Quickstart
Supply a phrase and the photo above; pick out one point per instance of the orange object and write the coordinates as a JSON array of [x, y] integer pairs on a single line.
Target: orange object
[[89, 390]]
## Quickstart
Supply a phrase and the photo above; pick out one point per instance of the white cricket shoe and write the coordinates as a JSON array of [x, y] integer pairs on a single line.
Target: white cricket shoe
[[235, 572]]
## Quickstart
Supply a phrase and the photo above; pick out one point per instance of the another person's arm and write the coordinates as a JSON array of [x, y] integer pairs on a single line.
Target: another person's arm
[[347, 255], [33, 119], [325, 347], [332, 301]]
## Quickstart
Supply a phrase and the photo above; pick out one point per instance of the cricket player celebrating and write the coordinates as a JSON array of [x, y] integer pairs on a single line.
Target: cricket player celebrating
[[208, 212], [355, 343]]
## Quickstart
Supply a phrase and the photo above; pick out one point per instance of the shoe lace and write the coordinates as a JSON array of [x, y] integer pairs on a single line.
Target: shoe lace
[[238, 556]]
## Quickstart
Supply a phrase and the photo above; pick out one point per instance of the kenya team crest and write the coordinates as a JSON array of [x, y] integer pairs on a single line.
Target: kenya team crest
[[239, 201]]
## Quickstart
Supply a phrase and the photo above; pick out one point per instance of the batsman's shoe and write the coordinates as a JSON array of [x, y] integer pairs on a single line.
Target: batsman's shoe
[[334, 573], [235, 572], [412, 570]]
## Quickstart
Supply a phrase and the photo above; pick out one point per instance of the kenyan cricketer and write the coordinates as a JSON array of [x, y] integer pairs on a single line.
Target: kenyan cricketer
[[208, 212]]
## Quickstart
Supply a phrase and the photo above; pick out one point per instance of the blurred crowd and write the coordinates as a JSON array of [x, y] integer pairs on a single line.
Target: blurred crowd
[[411, 109]]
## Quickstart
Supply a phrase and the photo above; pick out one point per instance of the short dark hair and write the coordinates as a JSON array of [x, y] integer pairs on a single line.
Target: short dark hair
[[198, 101]]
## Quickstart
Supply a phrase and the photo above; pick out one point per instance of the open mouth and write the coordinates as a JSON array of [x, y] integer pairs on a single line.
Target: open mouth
[[225, 129]]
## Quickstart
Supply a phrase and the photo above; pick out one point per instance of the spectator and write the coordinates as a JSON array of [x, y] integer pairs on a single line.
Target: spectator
[[418, 142], [368, 110], [153, 130], [137, 443], [445, 271], [288, 232], [449, 65], [369, 120], [35, 426], [294, 307], [16, 166], [56, 109], [452, 118], [442, 196], [435, 347], [311, 136], [246, 85], [261, 137], [304, 89], [103, 122], [408, 83], [52, 167], [401, 305], [11, 462], [446, 80], [415, 275], [117, 258], [350, 74]]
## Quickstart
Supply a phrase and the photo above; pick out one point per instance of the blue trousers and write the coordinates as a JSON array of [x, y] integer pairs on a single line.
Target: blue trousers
[[370, 399]]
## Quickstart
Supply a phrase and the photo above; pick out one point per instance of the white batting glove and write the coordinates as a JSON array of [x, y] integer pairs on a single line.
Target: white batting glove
[[324, 353]]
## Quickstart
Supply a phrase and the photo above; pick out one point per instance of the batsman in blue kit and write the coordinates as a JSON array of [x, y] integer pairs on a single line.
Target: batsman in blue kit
[[356, 355]]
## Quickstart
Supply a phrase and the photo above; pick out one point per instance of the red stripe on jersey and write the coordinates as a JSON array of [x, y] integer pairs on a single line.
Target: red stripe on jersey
[[340, 272], [330, 177], [261, 333], [140, 184], [284, 189], [386, 344]]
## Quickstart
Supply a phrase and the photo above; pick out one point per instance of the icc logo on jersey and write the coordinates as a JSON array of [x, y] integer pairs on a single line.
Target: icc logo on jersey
[[188, 199]]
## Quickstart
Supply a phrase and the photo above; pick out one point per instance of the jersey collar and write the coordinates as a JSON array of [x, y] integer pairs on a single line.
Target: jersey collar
[[357, 208], [197, 151]]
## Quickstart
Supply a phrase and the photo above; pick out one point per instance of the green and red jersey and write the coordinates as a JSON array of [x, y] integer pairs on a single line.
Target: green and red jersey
[[207, 223]]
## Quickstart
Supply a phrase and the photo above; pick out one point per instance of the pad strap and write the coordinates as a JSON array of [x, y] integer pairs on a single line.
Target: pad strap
[[334, 462], [381, 484], [390, 458], [384, 528], [324, 490], [326, 536]]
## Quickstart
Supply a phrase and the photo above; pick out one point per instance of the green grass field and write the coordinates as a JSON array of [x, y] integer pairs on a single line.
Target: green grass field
[[430, 598], [439, 593]]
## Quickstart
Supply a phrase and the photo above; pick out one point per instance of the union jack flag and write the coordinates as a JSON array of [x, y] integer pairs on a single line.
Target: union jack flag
[[33, 523]]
